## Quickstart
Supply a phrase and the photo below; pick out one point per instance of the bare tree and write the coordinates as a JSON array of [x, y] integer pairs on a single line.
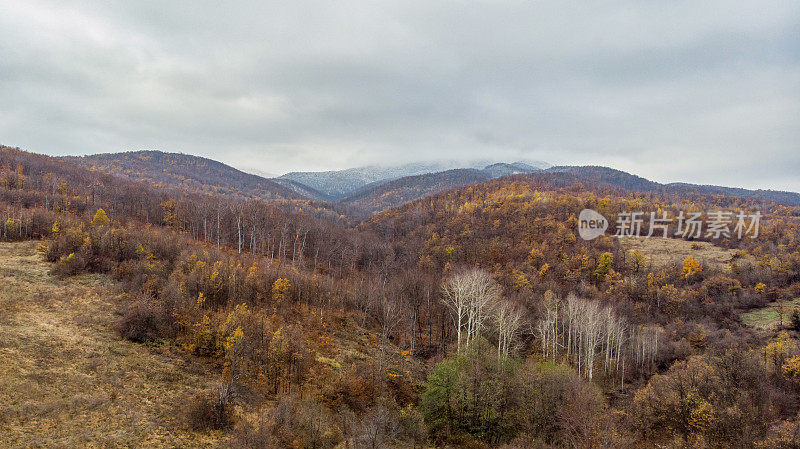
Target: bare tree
[[547, 327], [588, 329], [470, 295], [390, 318], [645, 341], [508, 319], [455, 292]]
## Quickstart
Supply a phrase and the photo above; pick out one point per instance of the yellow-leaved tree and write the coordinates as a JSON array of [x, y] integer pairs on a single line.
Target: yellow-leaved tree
[[100, 219], [603, 267], [280, 290], [231, 338], [691, 266]]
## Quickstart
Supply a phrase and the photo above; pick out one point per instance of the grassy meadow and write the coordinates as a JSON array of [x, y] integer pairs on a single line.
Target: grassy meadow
[[66, 378]]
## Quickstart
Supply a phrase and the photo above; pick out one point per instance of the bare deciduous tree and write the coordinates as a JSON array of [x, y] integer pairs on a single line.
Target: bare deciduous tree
[[508, 319], [470, 295], [587, 328], [547, 327]]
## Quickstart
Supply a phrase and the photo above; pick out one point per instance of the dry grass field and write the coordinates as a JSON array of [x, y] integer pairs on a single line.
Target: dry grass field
[[661, 252], [67, 380]]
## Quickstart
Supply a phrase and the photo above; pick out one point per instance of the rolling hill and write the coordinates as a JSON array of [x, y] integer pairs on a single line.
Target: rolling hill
[[372, 189], [410, 188], [187, 171], [381, 196], [352, 182], [566, 175]]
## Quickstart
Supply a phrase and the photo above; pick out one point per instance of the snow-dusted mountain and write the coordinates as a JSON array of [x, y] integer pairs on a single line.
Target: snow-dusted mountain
[[341, 183]]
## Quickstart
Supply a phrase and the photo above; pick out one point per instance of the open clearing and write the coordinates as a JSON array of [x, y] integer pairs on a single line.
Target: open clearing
[[662, 252], [768, 318], [67, 380]]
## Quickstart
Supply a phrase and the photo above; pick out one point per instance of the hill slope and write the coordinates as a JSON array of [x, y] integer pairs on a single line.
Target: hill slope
[[565, 175], [67, 379], [183, 170], [384, 195], [351, 182], [410, 188]]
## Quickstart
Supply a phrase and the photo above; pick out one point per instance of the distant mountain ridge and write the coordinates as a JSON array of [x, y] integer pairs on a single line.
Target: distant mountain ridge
[[403, 190], [343, 183], [379, 196], [627, 181], [502, 169], [187, 171], [304, 190], [374, 188]]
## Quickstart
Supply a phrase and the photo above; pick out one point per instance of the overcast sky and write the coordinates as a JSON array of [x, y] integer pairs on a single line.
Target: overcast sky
[[704, 92]]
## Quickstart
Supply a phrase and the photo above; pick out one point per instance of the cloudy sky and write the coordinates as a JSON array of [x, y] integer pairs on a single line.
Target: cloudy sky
[[671, 90]]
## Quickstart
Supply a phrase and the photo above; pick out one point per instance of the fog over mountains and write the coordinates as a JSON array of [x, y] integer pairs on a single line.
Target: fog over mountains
[[374, 188], [342, 183]]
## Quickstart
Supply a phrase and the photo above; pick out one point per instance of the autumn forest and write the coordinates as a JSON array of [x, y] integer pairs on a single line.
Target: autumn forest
[[475, 317]]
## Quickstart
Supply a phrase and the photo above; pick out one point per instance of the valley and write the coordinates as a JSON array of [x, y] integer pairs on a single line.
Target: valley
[[451, 309], [399, 225]]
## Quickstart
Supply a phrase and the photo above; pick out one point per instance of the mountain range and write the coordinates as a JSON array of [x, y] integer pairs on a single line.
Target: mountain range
[[339, 184], [374, 188]]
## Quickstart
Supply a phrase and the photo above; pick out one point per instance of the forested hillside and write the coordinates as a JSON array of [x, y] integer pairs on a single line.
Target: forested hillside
[[385, 195], [358, 192], [471, 318], [404, 190], [341, 183], [604, 175], [189, 172]]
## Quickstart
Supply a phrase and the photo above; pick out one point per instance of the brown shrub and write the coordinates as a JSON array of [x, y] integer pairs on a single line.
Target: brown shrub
[[209, 412], [145, 319], [292, 423], [60, 245], [258, 436], [70, 265], [355, 388]]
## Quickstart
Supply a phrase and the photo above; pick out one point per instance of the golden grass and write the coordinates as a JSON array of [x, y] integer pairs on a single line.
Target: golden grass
[[67, 380], [662, 252]]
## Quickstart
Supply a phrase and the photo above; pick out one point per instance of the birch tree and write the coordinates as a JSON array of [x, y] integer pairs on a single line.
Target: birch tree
[[547, 327], [508, 318], [585, 329], [470, 295]]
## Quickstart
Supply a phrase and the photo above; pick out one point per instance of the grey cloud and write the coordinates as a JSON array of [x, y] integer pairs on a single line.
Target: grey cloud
[[676, 91]]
